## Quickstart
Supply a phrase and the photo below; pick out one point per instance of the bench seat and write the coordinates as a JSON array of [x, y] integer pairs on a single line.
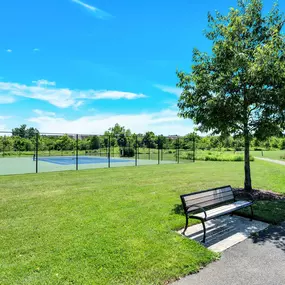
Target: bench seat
[[223, 210]]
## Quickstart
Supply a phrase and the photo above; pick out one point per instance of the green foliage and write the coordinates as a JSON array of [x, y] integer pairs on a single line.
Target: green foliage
[[239, 88], [215, 156], [64, 143], [127, 152], [149, 140], [24, 132], [94, 142]]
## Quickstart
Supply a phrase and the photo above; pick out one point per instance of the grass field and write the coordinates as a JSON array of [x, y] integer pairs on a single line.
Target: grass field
[[111, 226], [273, 154]]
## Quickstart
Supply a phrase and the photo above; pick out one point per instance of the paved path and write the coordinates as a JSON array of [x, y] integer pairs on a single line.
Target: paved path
[[271, 160], [256, 261]]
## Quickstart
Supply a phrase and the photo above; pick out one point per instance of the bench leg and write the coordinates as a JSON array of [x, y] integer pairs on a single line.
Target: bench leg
[[204, 229], [186, 225], [251, 212]]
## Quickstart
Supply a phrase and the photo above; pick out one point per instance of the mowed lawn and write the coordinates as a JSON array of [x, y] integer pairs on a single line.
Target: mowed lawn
[[273, 154], [109, 226]]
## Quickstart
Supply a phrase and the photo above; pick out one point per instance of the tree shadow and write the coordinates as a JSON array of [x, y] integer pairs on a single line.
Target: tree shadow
[[273, 234]]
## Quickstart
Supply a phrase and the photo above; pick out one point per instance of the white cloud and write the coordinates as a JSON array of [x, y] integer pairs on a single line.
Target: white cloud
[[44, 113], [8, 50], [97, 12], [6, 99], [59, 97], [44, 82], [164, 122], [114, 95], [36, 50], [169, 89], [2, 125]]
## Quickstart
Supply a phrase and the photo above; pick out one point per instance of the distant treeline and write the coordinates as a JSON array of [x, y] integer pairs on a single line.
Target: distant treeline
[[24, 139]]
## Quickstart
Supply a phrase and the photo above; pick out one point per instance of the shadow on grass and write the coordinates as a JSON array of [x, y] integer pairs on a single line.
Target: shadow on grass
[[272, 212], [178, 210]]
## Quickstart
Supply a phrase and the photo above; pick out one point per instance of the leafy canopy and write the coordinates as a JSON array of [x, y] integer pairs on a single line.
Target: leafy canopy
[[240, 87]]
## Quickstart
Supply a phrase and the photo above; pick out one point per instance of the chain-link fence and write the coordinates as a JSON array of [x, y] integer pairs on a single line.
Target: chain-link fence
[[45, 152]]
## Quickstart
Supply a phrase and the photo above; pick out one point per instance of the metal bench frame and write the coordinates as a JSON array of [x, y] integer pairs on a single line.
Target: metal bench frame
[[191, 210]]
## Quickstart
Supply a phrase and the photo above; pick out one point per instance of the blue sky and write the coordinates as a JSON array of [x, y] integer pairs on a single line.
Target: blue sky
[[81, 66]]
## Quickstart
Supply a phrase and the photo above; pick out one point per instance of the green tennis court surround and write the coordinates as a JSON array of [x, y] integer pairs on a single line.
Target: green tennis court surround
[[58, 152]]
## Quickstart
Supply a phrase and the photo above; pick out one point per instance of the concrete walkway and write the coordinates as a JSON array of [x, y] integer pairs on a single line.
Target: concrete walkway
[[225, 232], [271, 160], [255, 261]]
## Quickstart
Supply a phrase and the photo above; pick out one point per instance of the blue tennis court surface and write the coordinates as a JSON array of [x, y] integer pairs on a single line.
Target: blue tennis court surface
[[68, 160]]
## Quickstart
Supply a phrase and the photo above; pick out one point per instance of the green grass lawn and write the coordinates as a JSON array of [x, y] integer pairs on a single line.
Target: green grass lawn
[[273, 154], [110, 226]]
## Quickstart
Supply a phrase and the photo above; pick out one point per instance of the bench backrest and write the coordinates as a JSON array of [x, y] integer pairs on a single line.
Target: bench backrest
[[207, 198]]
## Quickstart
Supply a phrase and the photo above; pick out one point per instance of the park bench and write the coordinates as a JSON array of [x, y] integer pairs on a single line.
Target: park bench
[[209, 204]]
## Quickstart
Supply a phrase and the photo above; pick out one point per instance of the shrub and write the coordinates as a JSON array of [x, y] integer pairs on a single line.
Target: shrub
[[216, 156], [128, 152]]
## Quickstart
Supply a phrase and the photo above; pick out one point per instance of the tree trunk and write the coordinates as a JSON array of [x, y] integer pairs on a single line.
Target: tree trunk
[[247, 175]]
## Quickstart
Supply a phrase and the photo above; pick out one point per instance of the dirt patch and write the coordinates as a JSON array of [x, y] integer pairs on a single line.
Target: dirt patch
[[259, 194]]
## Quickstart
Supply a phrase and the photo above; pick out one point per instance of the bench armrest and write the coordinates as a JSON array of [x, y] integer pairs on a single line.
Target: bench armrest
[[198, 207], [245, 195]]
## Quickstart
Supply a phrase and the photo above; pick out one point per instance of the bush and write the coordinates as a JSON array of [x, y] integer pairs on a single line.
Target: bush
[[282, 156], [127, 152], [215, 156]]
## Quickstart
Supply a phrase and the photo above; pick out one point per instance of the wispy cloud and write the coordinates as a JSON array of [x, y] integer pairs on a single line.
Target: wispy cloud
[[44, 113], [5, 117], [36, 50], [169, 89], [113, 95], [3, 126], [96, 11], [163, 122], [6, 99], [44, 82], [8, 50], [59, 97]]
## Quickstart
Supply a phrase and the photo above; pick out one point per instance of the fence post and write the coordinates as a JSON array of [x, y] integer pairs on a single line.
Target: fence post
[[76, 152], [4, 143], [194, 147], [158, 162], [178, 150], [109, 151], [37, 152], [136, 151]]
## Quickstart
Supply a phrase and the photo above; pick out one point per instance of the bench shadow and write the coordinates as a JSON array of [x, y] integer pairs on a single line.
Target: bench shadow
[[225, 227], [273, 234], [219, 230], [178, 210]]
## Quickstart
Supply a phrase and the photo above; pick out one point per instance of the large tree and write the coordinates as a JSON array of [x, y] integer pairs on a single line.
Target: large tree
[[239, 88]]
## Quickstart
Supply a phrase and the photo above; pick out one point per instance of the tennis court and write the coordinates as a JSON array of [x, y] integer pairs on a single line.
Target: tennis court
[[22, 165], [69, 160]]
